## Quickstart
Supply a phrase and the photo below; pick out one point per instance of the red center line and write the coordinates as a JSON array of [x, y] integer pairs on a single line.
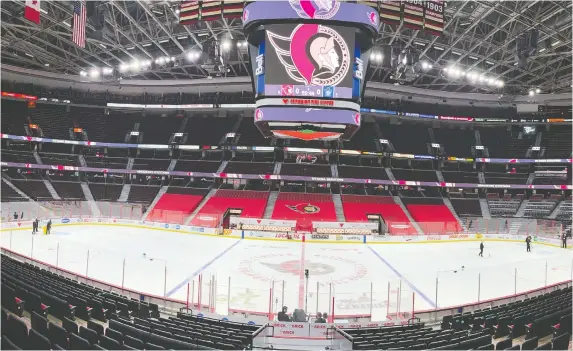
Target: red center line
[[301, 276]]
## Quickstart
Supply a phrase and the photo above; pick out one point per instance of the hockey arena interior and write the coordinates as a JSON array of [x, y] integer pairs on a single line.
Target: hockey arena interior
[[289, 175]]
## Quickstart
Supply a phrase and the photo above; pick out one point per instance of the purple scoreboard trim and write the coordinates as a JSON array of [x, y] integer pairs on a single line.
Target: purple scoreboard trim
[[293, 10], [306, 91], [310, 115]]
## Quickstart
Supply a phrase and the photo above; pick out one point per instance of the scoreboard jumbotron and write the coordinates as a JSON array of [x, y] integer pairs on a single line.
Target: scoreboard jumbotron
[[308, 59]]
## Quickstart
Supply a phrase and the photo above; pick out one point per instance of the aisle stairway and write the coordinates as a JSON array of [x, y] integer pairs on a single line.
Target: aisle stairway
[[338, 207], [89, 197], [399, 202], [271, 204], [200, 205], [160, 193]]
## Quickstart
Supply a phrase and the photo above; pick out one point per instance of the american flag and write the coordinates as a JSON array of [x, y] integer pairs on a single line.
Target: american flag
[[79, 24]]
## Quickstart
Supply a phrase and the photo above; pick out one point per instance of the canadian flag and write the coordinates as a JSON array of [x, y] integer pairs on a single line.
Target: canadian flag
[[32, 11]]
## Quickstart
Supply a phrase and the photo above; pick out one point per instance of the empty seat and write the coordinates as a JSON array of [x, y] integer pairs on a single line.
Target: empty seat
[[98, 328], [88, 334], [133, 342], [39, 323], [114, 334], [57, 335], [78, 343], [108, 343], [69, 325], [36, 341]]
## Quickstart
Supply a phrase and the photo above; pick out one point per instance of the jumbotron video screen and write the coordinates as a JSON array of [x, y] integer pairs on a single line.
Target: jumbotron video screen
[[309, 60], [308, 66]]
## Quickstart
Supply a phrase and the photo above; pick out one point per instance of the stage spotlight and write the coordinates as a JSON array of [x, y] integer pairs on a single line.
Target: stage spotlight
[[83, 73], [537, 91], [107, 70], [531, 93], [225, 45], [500, 83], [124, 67], [135, 64], [94, 72]]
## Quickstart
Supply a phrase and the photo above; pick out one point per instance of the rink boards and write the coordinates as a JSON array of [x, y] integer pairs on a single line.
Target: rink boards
[[383, 248], [295, 237]]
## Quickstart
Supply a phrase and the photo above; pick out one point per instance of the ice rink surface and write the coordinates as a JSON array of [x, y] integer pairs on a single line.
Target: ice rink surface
[[379, 278]]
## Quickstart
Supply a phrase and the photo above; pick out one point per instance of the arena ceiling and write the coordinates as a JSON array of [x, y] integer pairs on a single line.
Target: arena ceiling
[[478, 35]]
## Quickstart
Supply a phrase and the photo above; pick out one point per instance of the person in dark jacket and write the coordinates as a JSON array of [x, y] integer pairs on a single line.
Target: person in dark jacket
[[22, 215], [34, 226], [528, 243], [49, 226], [481, 249], [319, 318], [15, 216], [283, 316], [564, 241]]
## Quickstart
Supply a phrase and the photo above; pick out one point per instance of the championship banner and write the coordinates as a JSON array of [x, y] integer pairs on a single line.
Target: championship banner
[[413, 14], [434, 17], [211, 10], [391, 12], [233, 8], [189, 12]]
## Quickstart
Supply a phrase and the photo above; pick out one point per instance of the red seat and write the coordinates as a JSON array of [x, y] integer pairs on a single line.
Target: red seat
[[174, 208], [304, 208], [357, 207], [252, 204], [434, 219]]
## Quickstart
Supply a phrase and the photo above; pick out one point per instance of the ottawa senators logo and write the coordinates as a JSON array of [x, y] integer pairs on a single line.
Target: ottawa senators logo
[[293, 267], [313, 54], [304, 208]]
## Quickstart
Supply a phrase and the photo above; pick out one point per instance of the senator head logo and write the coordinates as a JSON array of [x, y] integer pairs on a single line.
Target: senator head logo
[[313, 54], [315, 9], [304, 208], [258, 114]]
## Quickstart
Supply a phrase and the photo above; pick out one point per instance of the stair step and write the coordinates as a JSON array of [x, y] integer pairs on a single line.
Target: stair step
[[337, 199], [51, 189], [124, 193], [271, 204], [89, 197], [200, 206], [160, 193], [399, 202]]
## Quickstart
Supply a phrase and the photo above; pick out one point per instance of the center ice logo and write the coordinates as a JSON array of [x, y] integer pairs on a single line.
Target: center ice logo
[[324, 268], [293, 267]]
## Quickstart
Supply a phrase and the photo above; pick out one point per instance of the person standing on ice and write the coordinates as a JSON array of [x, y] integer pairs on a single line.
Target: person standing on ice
[[481, 249], [528, 242], [564, 241]]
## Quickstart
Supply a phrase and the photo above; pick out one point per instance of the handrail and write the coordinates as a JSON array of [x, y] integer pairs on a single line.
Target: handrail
[[284, 177], [273, 148]]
